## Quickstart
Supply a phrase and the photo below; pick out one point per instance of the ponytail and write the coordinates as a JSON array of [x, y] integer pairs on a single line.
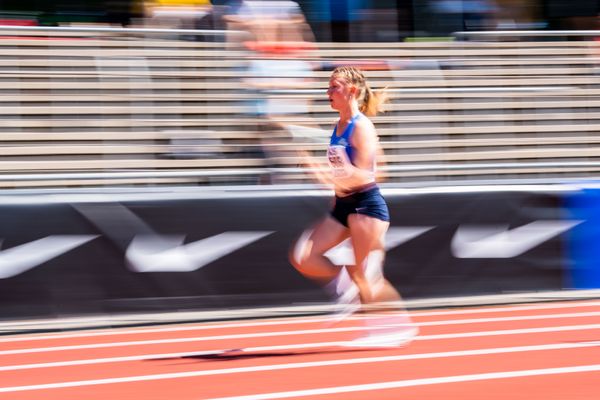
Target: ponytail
[[370, 103], [373, 102]]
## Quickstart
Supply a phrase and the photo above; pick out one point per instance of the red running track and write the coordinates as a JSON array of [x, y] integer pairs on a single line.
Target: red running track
[[548, 351]]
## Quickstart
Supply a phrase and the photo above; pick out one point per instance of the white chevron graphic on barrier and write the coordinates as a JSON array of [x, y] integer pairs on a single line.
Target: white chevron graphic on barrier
[[18, 259], [164, 253], [158, 253], [500, 242], [343, 254]]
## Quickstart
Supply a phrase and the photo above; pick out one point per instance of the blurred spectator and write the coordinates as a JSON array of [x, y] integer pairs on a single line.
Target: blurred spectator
[[343, 14], [278, 39], [337, 18], [275, 20], [278, 36], [449, 16], [216, 17]]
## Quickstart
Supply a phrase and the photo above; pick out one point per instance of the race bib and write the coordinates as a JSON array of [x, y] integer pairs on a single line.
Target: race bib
[[338, 160]]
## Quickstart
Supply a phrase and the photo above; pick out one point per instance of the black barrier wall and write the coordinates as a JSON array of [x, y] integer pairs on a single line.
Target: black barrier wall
[[223, 250]]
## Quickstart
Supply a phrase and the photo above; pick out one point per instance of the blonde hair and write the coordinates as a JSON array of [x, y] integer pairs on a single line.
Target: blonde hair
[[370, 102]]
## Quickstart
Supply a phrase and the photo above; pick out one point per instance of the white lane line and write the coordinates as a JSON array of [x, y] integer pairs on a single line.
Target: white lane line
[[506, 332], [287, 321], [296, 346], [417, 382], [180, 340], [312, 364], [481, 310], [506, 319], [286, 333], [148, 357]]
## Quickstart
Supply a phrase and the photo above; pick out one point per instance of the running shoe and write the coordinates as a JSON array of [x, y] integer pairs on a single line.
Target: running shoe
[[345, 294]]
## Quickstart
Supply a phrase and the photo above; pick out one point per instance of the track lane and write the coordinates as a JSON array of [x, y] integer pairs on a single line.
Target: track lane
[[521, 386], [274, 325], [433, 339], [289, 376], [178, 364], [210, 343]]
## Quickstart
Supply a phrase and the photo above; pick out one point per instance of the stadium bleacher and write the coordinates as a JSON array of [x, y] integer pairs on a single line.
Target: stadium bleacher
[[113, 108]]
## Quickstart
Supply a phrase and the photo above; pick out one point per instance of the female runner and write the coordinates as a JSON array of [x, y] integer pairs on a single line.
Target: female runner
[[359, 213]]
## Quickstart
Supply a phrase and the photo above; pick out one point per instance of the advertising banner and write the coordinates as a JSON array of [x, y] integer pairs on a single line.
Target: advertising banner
[[211, 251]]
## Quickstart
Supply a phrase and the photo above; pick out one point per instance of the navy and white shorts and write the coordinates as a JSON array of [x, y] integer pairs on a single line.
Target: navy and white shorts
[[370, 202]]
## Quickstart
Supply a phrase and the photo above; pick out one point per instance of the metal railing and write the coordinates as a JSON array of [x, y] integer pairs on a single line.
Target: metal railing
[[116, 30], [494, 34]]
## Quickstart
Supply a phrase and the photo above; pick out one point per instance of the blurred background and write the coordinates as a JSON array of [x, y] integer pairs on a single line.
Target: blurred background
[[190, 106], [196, 92]]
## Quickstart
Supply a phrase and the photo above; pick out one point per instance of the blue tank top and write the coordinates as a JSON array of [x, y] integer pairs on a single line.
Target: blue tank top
[[344, 139], [340, 154]]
